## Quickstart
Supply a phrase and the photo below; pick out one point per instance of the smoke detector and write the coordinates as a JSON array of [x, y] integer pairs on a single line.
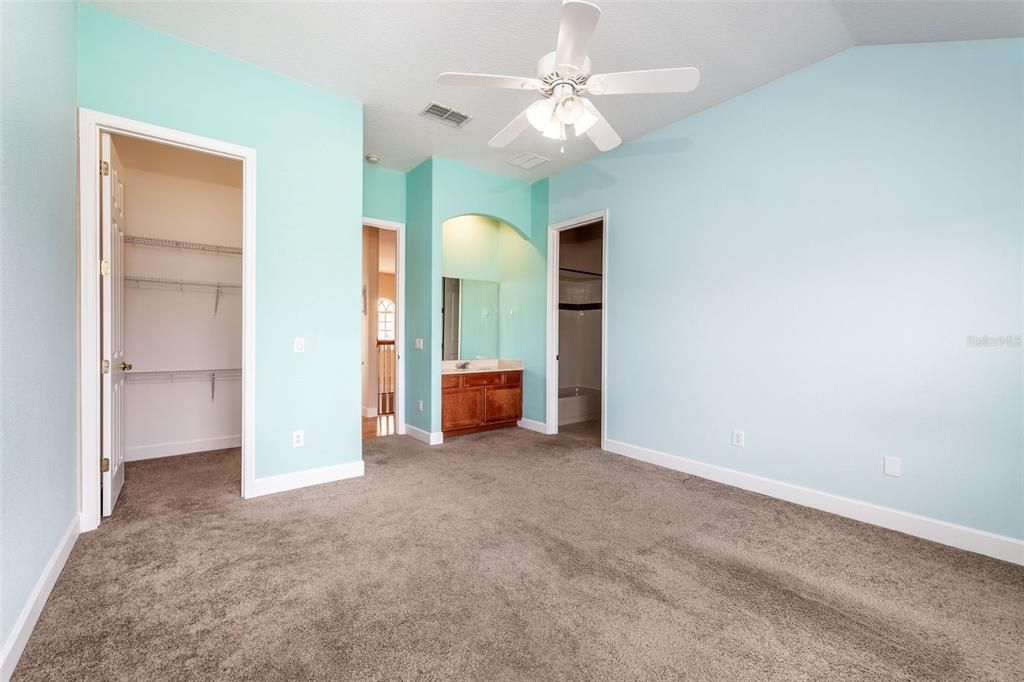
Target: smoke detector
[[372, 158]]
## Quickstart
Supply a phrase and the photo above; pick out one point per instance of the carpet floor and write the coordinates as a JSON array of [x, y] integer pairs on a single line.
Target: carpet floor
[[510, 555]]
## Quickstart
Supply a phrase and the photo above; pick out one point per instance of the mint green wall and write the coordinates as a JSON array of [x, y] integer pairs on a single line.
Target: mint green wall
[[470, 248], [478, 319], [38, 288], [524, 285], [422, 289], [309, 207], [807, 261], [383, 194]]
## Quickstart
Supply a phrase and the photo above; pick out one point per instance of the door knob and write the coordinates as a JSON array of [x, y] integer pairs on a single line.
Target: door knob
[[126, 366]]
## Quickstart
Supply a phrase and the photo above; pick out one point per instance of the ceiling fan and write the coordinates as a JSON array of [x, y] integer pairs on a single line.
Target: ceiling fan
[[564, 77]]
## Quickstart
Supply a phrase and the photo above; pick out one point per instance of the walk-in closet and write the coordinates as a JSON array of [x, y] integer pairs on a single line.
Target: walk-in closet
[[181, 314]]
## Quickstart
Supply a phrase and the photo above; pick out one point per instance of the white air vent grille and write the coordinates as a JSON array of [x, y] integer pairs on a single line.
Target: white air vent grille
[[527, 160], [446, 115]]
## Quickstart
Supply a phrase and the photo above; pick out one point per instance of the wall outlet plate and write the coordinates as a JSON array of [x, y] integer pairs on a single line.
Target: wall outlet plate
[[739, 439], [419, 404], [299, 344], [892, 467], [298, 439], [419, 344]]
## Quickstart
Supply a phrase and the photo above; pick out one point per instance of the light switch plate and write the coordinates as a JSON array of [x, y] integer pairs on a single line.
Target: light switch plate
[[299, 344], [892, 466]]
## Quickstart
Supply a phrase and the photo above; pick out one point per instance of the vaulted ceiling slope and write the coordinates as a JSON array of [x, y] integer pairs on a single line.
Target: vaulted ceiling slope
[[388, 55]]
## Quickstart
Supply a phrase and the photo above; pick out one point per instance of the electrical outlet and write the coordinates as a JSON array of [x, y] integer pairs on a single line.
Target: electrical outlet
[[419, 404], [299, 344], [739, 440], [298, 439], [892, 467], [419, 344]]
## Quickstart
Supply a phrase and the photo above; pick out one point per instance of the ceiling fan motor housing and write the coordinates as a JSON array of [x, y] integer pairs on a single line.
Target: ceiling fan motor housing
[[561, 80]]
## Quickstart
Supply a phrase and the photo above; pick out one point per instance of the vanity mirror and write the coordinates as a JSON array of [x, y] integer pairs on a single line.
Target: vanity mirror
[[469, 319]]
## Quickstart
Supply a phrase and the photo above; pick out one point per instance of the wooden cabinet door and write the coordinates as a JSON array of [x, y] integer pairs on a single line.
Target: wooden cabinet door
[[461, 409], [502, 404]]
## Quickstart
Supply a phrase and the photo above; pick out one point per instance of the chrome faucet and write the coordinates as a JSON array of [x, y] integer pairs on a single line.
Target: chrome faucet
[[462, 365]]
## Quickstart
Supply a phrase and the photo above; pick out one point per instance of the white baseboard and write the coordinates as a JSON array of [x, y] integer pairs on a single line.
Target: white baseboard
[[579, 419], [533, 425], [369, 412], [428, 437], [954, 535], [301, 479], [29, 615], [181, 447]]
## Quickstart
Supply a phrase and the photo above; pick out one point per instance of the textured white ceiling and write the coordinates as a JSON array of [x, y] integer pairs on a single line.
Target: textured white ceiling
[[388, 55]]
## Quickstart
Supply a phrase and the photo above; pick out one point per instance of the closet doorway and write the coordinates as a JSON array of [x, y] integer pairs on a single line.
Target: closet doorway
[[577, 328], [166, 278], [383, 323]]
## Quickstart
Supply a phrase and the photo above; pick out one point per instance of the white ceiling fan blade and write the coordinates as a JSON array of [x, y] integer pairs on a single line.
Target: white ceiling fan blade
[[486, 80], [510, 132], [601, 132], [683, 79], [575, 31]]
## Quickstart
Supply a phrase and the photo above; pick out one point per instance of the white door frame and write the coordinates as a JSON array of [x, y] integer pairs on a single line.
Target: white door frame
[[399, 228], [554, 233], [90, 124]]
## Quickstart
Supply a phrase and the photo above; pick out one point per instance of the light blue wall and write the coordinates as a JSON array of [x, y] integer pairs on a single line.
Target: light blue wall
[[309, 206], [383, 194], [806, 261], [38, 468], [471, 248]]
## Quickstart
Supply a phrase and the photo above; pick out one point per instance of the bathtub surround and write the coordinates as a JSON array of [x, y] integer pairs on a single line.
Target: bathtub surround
[[825, 245]]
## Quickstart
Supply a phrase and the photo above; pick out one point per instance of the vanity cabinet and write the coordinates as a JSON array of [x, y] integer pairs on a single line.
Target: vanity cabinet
[[479, 401]]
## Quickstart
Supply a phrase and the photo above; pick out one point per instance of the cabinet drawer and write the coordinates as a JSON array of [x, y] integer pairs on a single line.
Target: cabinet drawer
[[460, 409], [514, 378], [501, 404], [484, 379], [450, 381]]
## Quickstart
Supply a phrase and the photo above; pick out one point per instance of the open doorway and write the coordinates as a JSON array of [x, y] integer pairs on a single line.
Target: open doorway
[[577, 328], [382, 323], [166, 273]]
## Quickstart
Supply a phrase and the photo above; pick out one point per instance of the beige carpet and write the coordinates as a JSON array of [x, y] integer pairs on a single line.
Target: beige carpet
[[510, 555]]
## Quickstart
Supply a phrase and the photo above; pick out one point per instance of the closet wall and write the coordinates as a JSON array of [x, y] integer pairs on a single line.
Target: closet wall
[[193, 330]]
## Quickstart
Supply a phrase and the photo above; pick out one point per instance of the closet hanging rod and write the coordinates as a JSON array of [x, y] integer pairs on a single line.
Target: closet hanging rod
[[175, 244], [183, 372], [182, 282]]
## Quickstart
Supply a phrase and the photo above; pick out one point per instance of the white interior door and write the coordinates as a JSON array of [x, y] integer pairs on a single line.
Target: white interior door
[[115, 365]]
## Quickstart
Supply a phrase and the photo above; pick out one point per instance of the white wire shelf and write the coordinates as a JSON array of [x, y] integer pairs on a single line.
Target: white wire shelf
[[181, 283], [185, 374], [139, 240]]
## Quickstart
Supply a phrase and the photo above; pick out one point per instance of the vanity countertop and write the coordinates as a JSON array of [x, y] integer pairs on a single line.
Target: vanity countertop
[[479, 366]]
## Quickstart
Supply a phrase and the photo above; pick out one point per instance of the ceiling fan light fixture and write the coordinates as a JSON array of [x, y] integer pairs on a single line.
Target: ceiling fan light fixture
[[584, 121], [540, 116]]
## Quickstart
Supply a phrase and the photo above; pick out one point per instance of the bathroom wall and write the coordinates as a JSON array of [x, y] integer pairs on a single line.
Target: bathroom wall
[[815, 262]]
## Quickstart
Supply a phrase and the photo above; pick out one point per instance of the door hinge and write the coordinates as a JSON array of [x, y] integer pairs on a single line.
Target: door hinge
[[105, 268], [104, 465], [105, 367], [104, 168]]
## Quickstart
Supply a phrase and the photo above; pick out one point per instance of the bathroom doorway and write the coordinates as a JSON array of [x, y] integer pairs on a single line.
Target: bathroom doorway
[[577, 328]]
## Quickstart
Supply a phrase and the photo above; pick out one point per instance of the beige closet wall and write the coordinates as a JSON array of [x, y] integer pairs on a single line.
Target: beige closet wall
[[184, 196]]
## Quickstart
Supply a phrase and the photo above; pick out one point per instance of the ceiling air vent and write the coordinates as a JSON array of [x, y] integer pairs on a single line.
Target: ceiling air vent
[[446, 115], [527, 160]]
